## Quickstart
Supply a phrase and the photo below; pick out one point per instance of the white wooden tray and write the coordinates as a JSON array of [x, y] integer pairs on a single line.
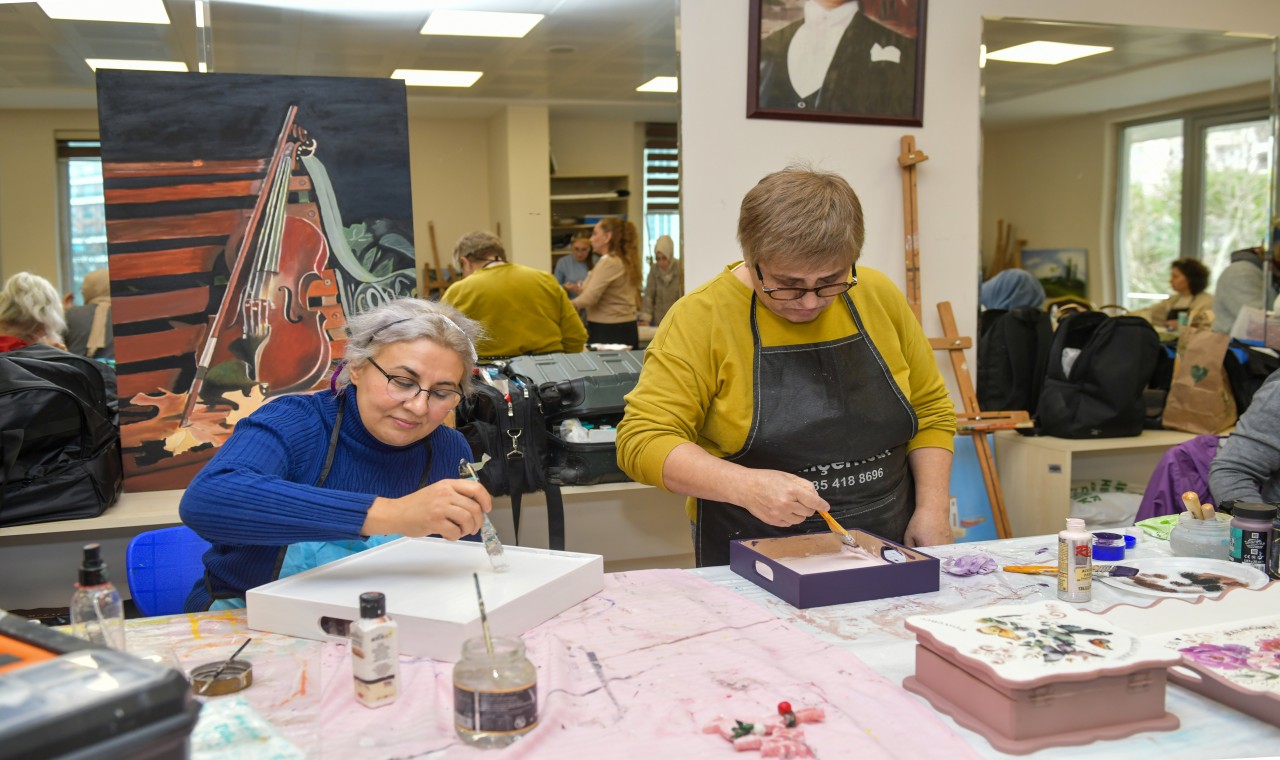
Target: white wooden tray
[[430, 593]]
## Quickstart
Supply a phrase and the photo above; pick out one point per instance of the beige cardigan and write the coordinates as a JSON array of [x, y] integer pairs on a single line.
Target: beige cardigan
[[608, 295]]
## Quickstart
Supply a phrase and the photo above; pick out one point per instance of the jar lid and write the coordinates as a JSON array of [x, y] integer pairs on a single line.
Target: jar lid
[[1254, 511]]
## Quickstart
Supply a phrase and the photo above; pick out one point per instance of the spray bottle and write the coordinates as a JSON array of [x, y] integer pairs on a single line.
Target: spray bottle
[[97, 614], [1075, 562]]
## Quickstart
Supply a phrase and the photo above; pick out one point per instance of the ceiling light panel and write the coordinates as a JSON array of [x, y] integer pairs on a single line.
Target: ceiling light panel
[[1044, 52], [435, 78], [116, 63], [119, 11], [660, 84], [480, 23]]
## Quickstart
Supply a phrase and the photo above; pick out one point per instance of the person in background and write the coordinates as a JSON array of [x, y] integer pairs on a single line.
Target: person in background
[[1247, 465], [523, 310], [1011, 289], [1239, 285], [1189, 280], [571, 271], [30, 313], [611, 294], [310, 478], [89, 330], [665, 284], [794, 383]]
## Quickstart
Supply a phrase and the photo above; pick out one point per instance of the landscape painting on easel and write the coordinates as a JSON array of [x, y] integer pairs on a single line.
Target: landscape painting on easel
[[247, 216], [1062, 271]]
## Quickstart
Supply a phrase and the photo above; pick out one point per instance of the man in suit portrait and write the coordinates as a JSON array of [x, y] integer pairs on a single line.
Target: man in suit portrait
[[837, 59]]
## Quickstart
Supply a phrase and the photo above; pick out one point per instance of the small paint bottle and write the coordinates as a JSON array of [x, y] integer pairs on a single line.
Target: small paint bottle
[[375, 652], [1273, 549], [1075, 562], [495, 692], [1251, 533]]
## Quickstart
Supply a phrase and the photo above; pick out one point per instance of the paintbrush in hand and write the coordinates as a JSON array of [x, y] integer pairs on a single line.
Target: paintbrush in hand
[[839, 530]]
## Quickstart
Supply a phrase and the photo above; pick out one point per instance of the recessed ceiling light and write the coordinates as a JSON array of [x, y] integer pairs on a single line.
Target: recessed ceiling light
[[1042, 51], [120, 11], [480, 23], [113, 63], [430, 78], [660, 84]]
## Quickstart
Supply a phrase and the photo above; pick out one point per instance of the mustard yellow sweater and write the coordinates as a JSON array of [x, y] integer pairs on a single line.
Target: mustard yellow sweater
[[523, 310], [697, 382]]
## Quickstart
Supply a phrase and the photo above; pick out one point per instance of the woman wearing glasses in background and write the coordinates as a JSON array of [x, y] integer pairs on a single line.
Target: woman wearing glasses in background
[[779, 389], [310, 478]]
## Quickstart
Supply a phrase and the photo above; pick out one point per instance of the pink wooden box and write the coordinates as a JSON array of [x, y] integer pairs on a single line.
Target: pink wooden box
[[1040, 675], [1230, 646]]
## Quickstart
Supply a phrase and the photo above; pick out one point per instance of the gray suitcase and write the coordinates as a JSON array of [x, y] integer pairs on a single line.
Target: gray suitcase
[[587, 384]]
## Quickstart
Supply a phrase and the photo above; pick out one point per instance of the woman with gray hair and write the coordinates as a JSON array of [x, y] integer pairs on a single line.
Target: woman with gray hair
[[30, 313], [310, 478], [793, 383]]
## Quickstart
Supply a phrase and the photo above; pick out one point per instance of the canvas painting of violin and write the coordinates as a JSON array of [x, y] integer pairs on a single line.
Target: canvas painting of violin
[[247, 216]]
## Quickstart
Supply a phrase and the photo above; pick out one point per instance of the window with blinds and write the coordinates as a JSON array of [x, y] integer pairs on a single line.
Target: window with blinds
[[81, 213], [661, 188]]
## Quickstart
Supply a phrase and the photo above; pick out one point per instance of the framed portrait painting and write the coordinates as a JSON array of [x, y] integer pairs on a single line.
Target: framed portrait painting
[[837, 60]]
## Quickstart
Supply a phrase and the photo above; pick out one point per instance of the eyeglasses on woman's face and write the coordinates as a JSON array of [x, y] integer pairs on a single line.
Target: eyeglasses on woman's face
[[794, 294], [406, 389]]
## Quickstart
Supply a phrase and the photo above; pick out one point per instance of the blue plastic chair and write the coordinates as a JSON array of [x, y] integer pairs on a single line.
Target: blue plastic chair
[[162, 566]]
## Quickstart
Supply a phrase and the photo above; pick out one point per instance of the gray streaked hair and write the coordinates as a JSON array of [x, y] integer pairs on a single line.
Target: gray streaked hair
[[478, 246], [31, 305], [801, 216], [406, 319]]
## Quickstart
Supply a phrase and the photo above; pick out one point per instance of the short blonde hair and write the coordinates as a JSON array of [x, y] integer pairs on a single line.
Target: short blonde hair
[[478, 246], [801, 216], [30, 305], [406, 319]]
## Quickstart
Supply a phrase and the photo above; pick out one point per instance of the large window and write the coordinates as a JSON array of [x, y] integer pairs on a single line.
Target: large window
[[1194, 185], [661, 188], [83, 234]]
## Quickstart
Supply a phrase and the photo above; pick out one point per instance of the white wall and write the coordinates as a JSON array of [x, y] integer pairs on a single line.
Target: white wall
[[587, 147], [725, 153], [449, 164]]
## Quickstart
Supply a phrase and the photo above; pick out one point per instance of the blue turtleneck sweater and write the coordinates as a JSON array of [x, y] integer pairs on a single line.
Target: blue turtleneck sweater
[[258, 494]]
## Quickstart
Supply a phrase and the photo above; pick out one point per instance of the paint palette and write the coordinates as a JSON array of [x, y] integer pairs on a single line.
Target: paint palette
[[430, 593], [1183, 577]]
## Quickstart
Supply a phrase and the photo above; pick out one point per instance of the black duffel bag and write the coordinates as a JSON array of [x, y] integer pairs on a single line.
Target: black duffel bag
[[59, 438]]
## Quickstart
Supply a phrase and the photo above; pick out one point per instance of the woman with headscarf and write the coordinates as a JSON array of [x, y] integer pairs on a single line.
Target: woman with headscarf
[[89, 326], [665, 284], [1010, 289]]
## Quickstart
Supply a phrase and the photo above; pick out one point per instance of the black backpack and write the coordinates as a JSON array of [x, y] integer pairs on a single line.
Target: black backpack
[[1101, 397], [59, 437], [1013, 357], [512, 430]]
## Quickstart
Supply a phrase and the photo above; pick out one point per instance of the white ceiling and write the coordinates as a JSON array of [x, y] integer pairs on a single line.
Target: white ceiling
[[1149, 64], [585, 57]]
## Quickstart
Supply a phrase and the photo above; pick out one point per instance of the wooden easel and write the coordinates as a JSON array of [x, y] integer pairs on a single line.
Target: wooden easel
[[908, 159], [434, 281], [973, 421]]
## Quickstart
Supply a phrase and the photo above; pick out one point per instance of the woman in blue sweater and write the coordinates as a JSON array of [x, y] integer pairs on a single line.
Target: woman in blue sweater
[[307, 479]]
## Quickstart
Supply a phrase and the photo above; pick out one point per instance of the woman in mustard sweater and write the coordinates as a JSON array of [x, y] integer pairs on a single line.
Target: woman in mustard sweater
[[611, 294], [793, 383]]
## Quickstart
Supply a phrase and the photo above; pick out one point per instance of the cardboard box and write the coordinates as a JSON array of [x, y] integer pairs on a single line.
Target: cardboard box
[[430, 593], [770, 563]]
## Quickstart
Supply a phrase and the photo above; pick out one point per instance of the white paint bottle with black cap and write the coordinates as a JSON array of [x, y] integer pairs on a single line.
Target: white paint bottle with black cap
[[375, 652], [1075, 562]]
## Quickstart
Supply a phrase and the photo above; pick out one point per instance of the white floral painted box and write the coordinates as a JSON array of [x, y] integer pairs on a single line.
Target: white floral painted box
[[1230, 646], [1040, 675]]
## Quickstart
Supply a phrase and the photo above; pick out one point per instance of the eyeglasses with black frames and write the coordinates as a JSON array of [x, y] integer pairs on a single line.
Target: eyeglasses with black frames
[[794, 294], [406, 389]]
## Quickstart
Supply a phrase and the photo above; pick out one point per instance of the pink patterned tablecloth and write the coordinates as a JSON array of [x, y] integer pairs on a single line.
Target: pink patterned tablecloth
[[634, 671]]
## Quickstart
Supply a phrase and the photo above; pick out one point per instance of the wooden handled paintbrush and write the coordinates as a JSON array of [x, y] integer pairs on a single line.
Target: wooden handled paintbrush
[[839, 530]]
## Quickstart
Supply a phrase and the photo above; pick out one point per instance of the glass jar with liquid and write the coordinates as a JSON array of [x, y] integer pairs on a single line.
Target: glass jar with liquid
[[1210, 539], [495, 692]]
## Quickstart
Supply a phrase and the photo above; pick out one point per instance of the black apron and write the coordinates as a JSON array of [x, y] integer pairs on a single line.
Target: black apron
[[831, 413]]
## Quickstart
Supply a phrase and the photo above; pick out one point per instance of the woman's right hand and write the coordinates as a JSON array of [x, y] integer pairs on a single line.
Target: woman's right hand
[[779, 498], [448, 508]]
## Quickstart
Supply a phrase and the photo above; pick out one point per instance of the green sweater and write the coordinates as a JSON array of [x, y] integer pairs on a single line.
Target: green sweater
[[523, 310], [697, 382]]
